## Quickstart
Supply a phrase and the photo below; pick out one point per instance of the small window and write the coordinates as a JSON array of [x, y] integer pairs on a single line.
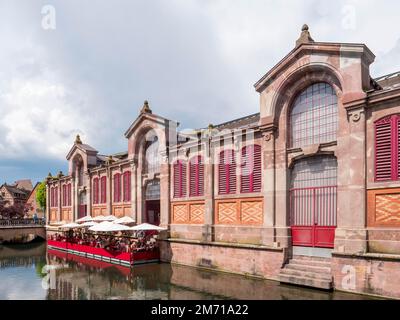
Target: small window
[[95, 190], [103, 185], [127, 186], [117, 187]]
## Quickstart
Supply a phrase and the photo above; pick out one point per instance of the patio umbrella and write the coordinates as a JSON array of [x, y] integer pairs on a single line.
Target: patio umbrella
[[124, 220], [110, 218], [99, 218], [107, 226], [85, 219], [72, 225], [146, 227], [88, 224]]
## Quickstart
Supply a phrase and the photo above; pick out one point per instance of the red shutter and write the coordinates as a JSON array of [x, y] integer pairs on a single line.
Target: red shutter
[[96, 190], [69, 195], [103, 190], [56, 197], [257, 170], [227, 172], [117, 188], [180, 179], [127, 186], [196, 174], [51, 197], [383, 150], [398, 146]]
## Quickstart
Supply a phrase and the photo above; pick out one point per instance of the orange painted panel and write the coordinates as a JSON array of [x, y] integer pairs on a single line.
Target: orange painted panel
[[246, 211], [384, 208]]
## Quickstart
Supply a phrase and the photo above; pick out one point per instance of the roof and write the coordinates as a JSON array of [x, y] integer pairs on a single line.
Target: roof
[[389, 81], [240, 123], [24, 184], [16, 190]]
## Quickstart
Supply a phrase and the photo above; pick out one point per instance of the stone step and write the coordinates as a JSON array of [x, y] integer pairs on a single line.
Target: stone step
[[308, 268], [311, 258], [306, 281], [316, 263], [314, 275]]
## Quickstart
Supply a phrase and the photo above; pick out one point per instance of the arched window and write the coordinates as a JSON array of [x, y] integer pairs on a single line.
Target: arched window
[[227, 172], [179, 179], [103, 185], [196, 173], [387, 148], [152, 157], [250, 180], [117, 187], [95, 190], [127, 186], [314, 116]]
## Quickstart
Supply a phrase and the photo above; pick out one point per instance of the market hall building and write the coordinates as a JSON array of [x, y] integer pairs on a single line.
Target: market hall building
[[307, 191]]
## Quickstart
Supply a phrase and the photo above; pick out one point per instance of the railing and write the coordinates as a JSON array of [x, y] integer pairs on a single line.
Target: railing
[[21, 222]]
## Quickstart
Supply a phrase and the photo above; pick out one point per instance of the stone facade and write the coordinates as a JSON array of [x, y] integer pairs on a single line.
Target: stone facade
[[354, 217]]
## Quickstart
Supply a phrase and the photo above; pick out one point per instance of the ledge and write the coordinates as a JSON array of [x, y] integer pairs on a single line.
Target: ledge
[[225, 244], [373, 256]]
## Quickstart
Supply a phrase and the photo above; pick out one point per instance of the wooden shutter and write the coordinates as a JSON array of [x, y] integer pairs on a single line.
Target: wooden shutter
[[196, 174], [127, 186], [56, 197], [103, 189], [257, 170], [69, 194], [179, 179], [117, 187], [227, 172], [250, 180], [387, 154], [96, 190]]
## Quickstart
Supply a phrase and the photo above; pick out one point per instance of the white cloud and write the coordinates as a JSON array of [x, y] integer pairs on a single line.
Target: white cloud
[[189, 58]]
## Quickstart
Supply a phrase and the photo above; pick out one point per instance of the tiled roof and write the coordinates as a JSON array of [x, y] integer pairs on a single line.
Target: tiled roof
[[389, 81], [239, 123]]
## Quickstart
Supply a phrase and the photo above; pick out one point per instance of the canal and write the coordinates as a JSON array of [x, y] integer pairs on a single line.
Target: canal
[[30, 272]]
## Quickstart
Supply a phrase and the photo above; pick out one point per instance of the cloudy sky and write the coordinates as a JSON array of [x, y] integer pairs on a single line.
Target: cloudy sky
[[195, 60]]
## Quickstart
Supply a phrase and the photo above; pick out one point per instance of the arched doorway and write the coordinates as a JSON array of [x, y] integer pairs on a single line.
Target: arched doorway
[[152, 202], [313, 202]]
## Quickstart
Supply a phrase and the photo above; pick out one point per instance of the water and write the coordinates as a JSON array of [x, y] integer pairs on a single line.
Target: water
[[24, 275]]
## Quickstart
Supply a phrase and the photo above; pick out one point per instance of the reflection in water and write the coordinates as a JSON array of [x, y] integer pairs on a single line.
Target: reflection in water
[[73, 277]]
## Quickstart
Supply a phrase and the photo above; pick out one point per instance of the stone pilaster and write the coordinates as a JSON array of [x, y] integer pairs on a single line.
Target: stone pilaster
[[109, 191], [88, 194], [134, 199], [209, 217], [268, 175], [165, 204], [351, 234]]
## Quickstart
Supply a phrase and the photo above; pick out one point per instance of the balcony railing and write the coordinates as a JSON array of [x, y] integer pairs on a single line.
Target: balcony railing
[[21, 222]]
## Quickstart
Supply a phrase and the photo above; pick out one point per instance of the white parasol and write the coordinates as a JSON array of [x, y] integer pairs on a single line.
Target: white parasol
[[124, 220], [147, 227], [88, 224], [85, 219], [110, 218], [72, 225], [99, 218], [107, 226]]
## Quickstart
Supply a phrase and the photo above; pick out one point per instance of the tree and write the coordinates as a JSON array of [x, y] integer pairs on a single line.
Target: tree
[[41, 196]]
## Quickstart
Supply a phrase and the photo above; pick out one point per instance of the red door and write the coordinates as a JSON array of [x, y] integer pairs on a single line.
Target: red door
[[313, 202], [153, 212]]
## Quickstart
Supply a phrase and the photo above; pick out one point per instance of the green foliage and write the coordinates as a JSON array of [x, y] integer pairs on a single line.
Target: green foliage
[[41, 196]]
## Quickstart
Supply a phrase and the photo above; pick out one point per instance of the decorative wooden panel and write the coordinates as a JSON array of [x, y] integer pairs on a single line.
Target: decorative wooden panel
[[180, 213], [240, 211], [384, 208], [227, 212], [196, 213], [121, 211], [99, 211], [66, 214], [252, 212], [188, 212], [53, 215]]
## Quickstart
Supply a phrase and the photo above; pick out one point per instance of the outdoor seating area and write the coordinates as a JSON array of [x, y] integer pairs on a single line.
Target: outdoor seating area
[[106, 239]]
